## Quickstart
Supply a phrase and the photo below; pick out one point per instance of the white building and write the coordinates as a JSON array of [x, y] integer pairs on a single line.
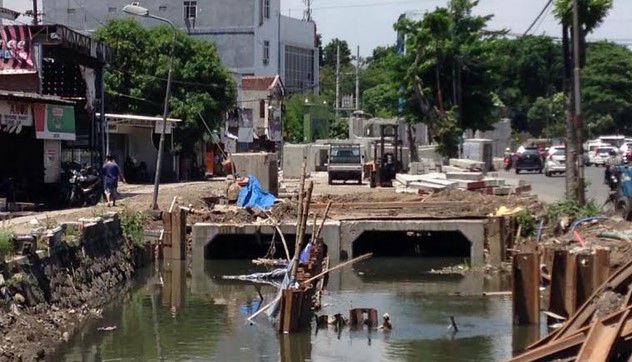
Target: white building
[[252, 36]]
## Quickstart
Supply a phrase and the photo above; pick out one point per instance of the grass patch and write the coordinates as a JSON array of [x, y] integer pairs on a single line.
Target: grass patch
[[6, 243], [133, 225]]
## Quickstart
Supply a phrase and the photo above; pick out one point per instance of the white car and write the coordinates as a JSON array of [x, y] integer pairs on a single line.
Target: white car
[[555, 162], [601, 155]]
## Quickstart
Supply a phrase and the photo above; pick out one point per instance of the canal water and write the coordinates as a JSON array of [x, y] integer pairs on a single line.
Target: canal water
[[169, 317]]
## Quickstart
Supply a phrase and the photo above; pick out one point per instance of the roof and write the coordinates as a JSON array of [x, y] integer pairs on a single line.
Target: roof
[[266, 82], [32, 97], [121, 118]]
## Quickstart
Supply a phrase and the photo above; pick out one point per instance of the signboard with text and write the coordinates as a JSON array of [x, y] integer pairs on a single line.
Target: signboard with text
[[14, 116], [16, 50], [54, 122]]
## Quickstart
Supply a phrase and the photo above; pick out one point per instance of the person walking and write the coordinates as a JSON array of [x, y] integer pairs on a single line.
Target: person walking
[[111, 175]]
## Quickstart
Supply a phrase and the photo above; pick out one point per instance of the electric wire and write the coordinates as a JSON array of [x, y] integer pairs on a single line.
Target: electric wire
[[546, 7]]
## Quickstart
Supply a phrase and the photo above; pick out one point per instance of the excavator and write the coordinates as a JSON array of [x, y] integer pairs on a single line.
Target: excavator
[[386, 163]]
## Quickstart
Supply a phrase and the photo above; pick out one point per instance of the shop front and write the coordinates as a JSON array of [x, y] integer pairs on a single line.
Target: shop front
[[31, 146]]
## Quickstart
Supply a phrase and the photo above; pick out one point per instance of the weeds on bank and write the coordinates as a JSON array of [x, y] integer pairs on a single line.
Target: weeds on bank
[[133, 225], [527, 222], [6, 242], [571, 209]]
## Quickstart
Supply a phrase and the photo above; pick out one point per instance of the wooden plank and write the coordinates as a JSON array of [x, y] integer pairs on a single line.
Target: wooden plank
[[601, 338], [291, 301], [167, 237], [390, 205], [178, 234], [602, 260], [526, 289]]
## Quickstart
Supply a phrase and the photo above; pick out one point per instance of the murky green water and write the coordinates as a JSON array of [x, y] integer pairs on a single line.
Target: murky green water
[[203, 318]]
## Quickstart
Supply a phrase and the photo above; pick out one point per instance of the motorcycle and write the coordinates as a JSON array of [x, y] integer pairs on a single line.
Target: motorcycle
[[86, 188]]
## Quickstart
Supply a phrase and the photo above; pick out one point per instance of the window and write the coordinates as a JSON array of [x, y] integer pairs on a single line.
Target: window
[[190, 9], [266, 9], [266, 52], [262, 109], [162, 8], [299, 69], [111, 10]]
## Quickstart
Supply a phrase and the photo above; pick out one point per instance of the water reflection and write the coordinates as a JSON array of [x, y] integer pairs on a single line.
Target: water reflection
[[169, 317]]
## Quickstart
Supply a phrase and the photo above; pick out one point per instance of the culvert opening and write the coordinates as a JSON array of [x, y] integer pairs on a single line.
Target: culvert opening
[[412, 243], [248, 246]]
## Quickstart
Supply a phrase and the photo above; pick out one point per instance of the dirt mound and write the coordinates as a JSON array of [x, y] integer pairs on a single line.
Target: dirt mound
[[368, 197]]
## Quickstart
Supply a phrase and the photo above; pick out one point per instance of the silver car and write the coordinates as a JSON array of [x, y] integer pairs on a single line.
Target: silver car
[[555, 163]]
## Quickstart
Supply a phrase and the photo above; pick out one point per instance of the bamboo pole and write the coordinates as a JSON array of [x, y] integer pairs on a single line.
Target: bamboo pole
[[354, 260], [303, 226], [322, 222], [314, 226], [264, 308], [278, 229]]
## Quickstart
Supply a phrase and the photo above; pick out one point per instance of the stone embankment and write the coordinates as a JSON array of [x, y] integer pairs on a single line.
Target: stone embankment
[[47, 294]]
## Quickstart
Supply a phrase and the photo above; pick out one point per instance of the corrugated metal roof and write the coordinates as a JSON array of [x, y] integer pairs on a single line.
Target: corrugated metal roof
[[33, 97]]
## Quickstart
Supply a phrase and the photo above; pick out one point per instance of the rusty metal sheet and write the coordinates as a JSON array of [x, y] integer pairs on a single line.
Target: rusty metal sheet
[[550, 351], [601, 338]]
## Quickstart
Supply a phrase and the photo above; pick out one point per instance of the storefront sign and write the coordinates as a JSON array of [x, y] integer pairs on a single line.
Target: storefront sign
[[158, 127], [14, 116], [16, 51], [54, 122]]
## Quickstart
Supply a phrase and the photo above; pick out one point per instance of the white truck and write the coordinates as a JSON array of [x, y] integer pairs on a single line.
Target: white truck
[[345, 163]]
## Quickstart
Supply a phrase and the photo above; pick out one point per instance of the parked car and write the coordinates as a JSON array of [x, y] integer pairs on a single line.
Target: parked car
[[555, 162], [601, 155], [589, 152], [529, 160]]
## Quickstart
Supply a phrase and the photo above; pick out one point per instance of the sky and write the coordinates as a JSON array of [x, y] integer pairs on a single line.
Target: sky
[[369, 23]]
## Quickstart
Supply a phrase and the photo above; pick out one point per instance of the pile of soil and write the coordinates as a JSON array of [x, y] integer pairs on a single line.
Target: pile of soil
[[368, 197]]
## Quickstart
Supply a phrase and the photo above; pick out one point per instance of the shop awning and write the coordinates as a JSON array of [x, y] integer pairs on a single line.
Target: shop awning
[[32, 97], [136, 120]]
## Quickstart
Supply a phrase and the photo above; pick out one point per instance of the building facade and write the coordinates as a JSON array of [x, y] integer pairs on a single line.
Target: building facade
[[252, 37]]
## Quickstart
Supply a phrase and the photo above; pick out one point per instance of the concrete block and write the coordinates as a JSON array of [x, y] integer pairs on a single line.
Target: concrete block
[[472, 176], [293, 156], [447, 169], [467, 164], [264, 166]]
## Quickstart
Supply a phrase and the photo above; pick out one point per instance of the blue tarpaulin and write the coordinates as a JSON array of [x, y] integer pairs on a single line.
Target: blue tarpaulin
[[253, 195]]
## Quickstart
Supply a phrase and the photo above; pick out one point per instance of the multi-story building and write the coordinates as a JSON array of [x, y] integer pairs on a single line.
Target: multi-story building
[[252, 36]]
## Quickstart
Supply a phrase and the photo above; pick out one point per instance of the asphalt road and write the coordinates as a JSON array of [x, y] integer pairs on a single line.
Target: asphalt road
[[551, 189]]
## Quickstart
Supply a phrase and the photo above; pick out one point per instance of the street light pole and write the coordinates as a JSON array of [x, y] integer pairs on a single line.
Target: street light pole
[[140, 11]]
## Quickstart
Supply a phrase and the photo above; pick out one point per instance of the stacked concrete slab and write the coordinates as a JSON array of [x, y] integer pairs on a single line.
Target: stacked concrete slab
[[460, 174]]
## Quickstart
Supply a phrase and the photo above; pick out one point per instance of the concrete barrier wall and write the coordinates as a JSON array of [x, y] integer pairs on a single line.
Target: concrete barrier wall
[[263, 166]]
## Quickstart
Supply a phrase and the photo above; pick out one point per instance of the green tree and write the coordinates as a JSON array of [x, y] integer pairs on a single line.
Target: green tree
[[136, 77], [528, 68], [449, 78], [607, 88], [547, 116], [330, 50], [380, 81]]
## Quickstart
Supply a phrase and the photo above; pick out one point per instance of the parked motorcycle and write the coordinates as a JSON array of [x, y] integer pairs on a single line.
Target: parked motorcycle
[[86, 188]]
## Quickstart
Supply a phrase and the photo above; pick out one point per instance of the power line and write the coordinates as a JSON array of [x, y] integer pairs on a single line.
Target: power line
[[538, 17]]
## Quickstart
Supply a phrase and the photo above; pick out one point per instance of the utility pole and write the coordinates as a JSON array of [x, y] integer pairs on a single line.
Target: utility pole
[[337, 103], [35, 16], [580, 191], [357, 90]]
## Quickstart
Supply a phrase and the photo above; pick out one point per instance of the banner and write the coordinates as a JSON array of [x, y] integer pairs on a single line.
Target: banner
[[14, 116], [16, 52], [54, 122]]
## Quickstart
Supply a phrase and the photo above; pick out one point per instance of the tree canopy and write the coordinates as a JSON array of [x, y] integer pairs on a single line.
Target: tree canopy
[[330, 53], [136, 77]]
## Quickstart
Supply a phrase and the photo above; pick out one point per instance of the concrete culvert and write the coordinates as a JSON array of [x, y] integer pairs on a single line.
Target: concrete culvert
[[410, 244]]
